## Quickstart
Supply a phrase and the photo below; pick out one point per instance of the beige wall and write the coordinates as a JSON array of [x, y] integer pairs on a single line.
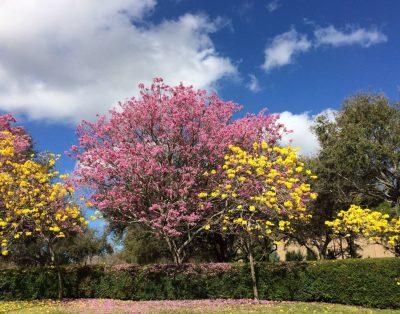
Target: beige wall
[[367, 250]]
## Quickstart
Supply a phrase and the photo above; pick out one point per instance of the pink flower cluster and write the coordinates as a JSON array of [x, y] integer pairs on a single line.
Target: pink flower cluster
[[145, 163], [22, 141], [112, 306], [185, 268]]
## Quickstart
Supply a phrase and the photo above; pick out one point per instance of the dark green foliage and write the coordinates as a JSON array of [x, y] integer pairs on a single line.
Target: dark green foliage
[[359, 155], [358, 163], [368, 282], [294, 256], [82, 247], [75, 248], [273, 257], [141, 246]]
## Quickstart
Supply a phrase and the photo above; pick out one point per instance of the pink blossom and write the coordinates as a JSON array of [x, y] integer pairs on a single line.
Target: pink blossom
[[146, 162]]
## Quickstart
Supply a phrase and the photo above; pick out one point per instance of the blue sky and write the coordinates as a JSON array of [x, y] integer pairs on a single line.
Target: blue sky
[[62, 61]]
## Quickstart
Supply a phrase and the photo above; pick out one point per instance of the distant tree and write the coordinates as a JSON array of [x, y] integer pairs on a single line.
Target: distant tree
[[75, 248], [359, 163], [142, 246], [83, 247], [145, 163], [361, 146]]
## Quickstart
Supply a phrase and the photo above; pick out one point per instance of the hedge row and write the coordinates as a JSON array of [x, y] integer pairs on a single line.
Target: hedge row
[[368, 282]]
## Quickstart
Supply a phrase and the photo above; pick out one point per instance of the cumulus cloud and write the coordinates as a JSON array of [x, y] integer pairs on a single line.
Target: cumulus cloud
[[302, 136], [272, 6], [253, 84], [283, 47], [355, 36], [70, 59]]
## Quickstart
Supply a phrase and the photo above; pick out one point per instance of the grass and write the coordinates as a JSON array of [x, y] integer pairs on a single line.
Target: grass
[[178, 307]]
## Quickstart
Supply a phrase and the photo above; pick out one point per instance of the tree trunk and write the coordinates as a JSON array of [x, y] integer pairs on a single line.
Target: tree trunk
[[253, 273], [248, 247], [323, 250], [341, 248], [397, 250], [176, 253], [178, 259], [60, 278], [352, 247], [220, 248], [60, 283]]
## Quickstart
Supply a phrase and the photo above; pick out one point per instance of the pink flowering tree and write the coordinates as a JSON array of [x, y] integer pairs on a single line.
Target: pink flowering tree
[[145, 163]]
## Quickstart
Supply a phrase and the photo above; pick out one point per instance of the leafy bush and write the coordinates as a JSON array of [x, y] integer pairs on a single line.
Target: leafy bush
[[293, 256], [367, 282]]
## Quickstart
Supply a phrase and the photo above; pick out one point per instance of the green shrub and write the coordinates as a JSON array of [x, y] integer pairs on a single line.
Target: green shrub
[[294, 256], [367, 282]]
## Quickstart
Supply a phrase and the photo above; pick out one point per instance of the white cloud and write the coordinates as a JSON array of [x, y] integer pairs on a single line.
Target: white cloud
[[272, 6], [302, 136], [283, 47], [69, 59], [253, 84], [355, 36]]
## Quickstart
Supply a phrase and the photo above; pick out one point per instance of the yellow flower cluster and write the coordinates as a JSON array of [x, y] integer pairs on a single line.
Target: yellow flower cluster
[[6, 144], [33, 307], [263, 191], [374, 225], [31, 204]]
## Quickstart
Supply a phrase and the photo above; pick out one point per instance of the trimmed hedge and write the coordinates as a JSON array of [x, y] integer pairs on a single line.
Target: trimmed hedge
[[367, 282]]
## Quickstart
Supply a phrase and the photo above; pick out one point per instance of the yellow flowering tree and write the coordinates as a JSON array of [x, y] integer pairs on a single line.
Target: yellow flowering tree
[[34, 200], [260, 193], [376, 226]]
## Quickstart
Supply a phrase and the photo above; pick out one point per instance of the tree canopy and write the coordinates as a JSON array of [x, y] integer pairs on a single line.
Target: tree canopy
[[145, 163]]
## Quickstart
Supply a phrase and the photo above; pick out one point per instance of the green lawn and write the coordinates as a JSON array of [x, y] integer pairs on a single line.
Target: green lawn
[[183, 307]]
